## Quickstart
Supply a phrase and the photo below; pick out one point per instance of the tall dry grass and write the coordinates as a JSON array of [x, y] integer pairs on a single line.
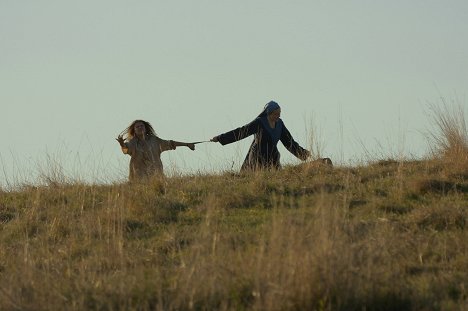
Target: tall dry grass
[[304, 238], [390, 235], [449, 140]]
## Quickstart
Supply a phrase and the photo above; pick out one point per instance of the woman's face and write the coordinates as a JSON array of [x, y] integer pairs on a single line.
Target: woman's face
[[140, 129], [275, 115]]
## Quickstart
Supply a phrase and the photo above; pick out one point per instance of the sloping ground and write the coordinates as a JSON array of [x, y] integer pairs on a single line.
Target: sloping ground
[[387, 236]]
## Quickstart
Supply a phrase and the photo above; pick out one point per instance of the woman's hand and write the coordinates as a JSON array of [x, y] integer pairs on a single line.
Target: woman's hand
[[215, 139], [191, 146], [305, 155]]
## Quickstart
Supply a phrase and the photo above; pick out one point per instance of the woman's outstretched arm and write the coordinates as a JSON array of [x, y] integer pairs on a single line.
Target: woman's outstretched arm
[[238, 134], [292, 146]]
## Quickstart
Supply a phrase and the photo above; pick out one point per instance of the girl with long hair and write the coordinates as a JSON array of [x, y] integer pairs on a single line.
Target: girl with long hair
[[141, 143]]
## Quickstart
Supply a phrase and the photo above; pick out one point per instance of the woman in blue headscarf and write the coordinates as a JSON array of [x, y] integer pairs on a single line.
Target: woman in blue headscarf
[[268, 129]]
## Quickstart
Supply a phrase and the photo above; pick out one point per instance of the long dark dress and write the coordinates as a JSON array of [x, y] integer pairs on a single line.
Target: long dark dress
[[263, 152]]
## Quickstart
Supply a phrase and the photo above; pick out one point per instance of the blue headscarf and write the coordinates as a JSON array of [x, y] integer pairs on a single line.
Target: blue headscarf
[[269, 108], [275, 133]]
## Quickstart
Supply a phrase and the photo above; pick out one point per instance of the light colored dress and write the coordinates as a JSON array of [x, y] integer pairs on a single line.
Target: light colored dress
[[145, 156]]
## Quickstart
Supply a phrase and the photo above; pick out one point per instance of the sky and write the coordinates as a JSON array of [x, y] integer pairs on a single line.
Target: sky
[[354, 79]]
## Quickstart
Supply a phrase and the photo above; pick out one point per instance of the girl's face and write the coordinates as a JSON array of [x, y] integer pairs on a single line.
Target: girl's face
[[140, 129], [275, 115]]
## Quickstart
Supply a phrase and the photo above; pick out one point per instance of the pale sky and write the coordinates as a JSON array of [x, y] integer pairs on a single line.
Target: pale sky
[[74, 74]]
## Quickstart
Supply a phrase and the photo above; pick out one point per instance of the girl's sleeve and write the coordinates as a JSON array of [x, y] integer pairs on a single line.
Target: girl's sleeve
[[239, 133], [166, 145], [292, 146]]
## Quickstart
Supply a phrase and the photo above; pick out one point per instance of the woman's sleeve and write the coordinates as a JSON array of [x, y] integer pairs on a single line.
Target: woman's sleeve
[[292, 146], [239, 133]]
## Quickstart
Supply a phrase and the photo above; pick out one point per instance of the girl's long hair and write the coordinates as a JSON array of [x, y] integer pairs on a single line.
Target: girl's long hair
[[129, 132]]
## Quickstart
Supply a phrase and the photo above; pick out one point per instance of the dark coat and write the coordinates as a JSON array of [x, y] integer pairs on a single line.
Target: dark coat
[[263, 152]]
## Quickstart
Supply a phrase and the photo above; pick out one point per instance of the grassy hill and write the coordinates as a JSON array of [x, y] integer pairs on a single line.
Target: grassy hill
[[390, 235]]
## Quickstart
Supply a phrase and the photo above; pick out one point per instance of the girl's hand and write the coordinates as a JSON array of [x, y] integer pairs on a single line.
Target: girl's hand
[[120, 140]]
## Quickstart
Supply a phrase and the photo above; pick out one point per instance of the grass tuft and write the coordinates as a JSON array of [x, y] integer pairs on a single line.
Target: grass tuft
[[450, 139]]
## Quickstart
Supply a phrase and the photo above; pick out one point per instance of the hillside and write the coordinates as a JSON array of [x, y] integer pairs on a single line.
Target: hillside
[[386, 236]]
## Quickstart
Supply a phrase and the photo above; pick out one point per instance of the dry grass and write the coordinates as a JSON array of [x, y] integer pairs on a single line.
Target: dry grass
[[450, 139], [391, 235], [306, 238]]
